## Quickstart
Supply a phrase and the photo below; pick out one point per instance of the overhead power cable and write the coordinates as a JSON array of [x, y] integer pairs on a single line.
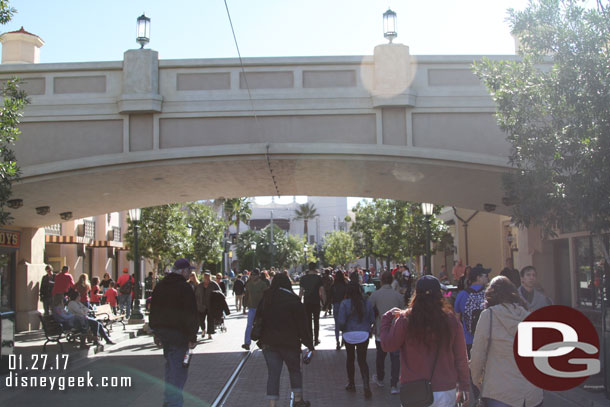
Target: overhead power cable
[[253, 109]]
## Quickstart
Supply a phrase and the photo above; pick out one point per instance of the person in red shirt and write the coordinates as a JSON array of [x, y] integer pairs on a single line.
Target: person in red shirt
[[125, 282], [111, 295], [431, 343], [95, 291], [63, 282]]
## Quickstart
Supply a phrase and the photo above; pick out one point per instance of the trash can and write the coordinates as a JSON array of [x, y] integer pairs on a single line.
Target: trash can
[[7, 338]]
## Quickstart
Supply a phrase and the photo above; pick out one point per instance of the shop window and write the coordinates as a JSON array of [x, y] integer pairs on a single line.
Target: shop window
[[590, 268]]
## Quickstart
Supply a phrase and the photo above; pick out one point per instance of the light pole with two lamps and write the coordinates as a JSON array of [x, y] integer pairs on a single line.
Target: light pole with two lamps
[[427, 209], [136, 314]]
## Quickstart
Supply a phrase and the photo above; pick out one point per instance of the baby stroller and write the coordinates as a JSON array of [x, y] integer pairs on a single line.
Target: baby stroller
[[219, 309]]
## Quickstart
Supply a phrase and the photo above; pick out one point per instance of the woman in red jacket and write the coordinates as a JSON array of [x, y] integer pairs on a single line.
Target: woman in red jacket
[[426, 332]]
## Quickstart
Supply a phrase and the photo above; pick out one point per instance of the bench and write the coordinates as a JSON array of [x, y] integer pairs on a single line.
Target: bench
[[55, 332], [104, 314]]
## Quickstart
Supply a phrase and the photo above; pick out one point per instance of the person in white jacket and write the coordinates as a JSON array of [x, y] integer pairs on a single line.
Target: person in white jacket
[[492, 364]]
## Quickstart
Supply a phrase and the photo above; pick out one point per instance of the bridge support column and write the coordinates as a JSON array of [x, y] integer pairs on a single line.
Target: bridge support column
[[29, 272]]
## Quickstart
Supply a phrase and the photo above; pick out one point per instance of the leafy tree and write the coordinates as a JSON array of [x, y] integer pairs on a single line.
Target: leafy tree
[[306, 212], [339, 248], [243, 249], [162, 235], [15, 101], [286, 250], [207, 233], [393, 230], [238, 210], [554, 104]]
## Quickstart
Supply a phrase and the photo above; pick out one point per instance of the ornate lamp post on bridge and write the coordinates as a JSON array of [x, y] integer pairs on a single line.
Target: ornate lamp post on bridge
[[136, 313], [427, 209]]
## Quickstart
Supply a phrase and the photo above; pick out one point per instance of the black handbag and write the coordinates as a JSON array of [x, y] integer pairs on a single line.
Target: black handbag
[[418, 393]]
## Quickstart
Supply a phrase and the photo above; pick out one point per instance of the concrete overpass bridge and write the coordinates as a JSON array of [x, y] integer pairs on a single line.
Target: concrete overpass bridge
[[100, 137]]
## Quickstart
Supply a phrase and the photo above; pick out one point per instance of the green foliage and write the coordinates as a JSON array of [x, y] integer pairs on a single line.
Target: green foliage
[[162, 235], [390, 229], [288, 251], [6, 12], [306, 212], [339, 248], [207, 234], [554, 104], [237, 210]]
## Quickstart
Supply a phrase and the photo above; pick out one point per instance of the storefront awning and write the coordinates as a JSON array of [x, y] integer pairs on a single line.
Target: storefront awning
[[67, 239]]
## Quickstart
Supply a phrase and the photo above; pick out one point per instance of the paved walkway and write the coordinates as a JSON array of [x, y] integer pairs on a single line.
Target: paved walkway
[[212, 365]]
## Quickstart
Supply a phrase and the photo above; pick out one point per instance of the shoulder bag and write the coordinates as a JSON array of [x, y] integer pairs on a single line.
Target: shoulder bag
[[418, 393]]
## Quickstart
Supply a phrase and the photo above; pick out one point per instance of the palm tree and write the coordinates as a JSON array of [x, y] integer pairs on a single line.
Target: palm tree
[[306, 212], [238, 210]]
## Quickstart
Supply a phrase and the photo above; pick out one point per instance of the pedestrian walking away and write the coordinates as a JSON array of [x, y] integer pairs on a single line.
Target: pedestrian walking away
[[382, 301], [431, 343], [173, 319], [469, 306], [124, 285], [238, 292], [63, 283], [356, 318], [493, 367], [312, 292], [337, 294], [254, 293], [284, 330]]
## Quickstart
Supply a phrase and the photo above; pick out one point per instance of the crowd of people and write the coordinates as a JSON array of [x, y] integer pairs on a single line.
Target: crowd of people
[[461, 344]]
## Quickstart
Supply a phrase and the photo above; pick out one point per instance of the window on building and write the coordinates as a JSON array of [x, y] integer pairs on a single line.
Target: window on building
[[590, 268]]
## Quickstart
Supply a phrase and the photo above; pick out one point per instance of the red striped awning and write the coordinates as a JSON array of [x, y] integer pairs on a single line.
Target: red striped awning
[[67, 239]]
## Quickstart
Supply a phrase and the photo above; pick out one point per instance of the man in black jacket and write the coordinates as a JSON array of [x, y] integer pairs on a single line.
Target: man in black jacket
[[173, 318]]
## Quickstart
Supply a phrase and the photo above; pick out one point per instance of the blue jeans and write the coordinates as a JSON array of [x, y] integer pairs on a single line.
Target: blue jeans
[[335, 315], [275, 358], [251, 315], [394, 363], [125, 302], [175, 346]]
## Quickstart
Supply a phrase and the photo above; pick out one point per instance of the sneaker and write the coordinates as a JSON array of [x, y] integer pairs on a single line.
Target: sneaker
[[394, 390], [245, 346], [350, 387], [377, 381]]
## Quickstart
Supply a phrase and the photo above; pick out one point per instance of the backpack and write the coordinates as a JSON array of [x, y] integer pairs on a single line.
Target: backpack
[[126, 287], [475, 304]]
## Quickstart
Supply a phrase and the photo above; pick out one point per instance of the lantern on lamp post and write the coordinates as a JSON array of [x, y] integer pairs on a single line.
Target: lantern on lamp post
[[143, 30], [389, 25]]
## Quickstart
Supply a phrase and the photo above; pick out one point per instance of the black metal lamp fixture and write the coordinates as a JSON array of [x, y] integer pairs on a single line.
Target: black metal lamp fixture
[[389, 25], [43, 210], [65, 215], [15, 203], [143, 30]]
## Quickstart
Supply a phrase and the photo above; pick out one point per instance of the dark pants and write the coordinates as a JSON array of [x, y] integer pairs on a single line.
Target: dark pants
[[313, 313], [358, 349], [175, 346], [97, 328], [47, 303], [275, 358], [394, 363], [202, 317]]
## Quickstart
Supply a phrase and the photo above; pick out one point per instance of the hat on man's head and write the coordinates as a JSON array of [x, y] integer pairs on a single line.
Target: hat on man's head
[[427, 285], [477, 271], [125, 270], [182, 264]]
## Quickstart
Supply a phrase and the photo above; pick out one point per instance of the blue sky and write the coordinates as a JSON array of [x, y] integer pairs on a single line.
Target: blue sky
[[81, 30], [86, 30]]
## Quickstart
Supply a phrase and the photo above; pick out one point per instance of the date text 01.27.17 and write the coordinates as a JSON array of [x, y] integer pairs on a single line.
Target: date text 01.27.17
[[38, 362]]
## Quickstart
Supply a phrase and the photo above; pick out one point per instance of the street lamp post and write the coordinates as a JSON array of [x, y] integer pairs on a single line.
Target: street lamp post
[[253, 247], [136, 313], [143, 31], [427, 209]]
